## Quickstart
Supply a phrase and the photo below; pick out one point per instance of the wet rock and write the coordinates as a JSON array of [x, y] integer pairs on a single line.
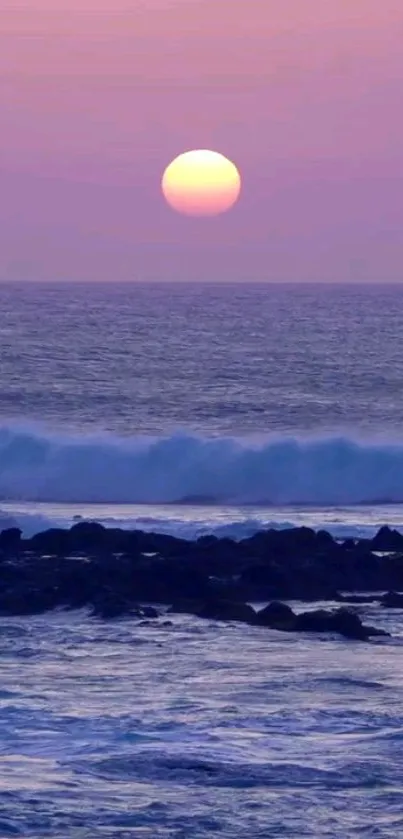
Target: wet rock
[[226, 610], [387, 540], [392, 600], [342, 621], [349, 545], [373, 631], [300, 541], [10, 540], [349, 625], [149, 612], [77, 567], [20, 601], [185, 607], [277, 616], [110, 606], [165, 581], [55, 542], [87, 535], [215, 608]]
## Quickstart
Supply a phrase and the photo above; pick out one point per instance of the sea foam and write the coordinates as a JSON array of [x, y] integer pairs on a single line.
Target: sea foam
[[40, 466]]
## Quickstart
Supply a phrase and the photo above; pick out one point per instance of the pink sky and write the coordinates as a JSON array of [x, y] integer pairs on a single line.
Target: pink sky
[[304, 95]]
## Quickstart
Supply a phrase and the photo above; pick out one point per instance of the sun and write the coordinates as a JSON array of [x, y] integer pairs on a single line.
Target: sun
[[201, 183]]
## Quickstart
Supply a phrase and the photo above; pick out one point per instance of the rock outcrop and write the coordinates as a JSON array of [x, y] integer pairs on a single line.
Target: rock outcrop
[[111, 571]]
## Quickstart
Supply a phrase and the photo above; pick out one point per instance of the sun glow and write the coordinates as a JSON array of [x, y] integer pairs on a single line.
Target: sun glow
[[201, 183]]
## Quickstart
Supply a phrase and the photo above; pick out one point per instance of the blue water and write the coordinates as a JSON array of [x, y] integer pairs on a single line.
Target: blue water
[[192, 410], [197, 730], [222, 360]]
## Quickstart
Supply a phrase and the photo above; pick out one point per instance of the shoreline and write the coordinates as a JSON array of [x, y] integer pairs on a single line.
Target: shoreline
[[192, 522]]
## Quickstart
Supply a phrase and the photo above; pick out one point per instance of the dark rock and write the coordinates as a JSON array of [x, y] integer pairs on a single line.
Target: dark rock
[[112, 570], [53, 542], [277, 616], [349, 545], [185, 607], [342, 621], [149, 612], [163, 581], [387, 540], [215, 608], [87, 535], [349, 625], [225, 610], [10, 540], [20, 601], [264, 581], [287, 542], [319, 620], [392, 600], [111, 606], [325, 540], [372, 631], [207, 541]]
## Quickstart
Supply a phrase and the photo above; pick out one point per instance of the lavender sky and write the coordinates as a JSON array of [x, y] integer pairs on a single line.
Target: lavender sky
[[305, 96]]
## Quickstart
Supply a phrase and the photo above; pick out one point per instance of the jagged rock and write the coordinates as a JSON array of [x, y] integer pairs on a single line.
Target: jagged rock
[[387, 540], [76, 567]]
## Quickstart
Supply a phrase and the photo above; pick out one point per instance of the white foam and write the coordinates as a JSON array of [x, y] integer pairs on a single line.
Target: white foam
[[36, 465]]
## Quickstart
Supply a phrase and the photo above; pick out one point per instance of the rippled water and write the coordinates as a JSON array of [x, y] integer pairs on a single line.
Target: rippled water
[[208, 358], [198, 730]]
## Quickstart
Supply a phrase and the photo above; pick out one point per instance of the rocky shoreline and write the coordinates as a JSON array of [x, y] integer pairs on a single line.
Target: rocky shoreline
[[112, 571]]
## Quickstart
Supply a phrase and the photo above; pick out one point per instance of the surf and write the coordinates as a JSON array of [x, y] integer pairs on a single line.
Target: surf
[[38, 465]]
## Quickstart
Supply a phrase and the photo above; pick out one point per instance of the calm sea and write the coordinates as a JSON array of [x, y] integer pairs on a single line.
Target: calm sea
[[208, 359]]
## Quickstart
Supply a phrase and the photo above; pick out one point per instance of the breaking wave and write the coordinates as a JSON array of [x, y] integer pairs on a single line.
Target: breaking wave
[[41, 466]]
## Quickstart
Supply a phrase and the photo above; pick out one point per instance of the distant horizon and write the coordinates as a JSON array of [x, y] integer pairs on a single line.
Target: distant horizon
[[209, 282]]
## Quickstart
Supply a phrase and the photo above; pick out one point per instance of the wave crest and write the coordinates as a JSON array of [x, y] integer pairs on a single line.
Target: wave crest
[[39, 466]]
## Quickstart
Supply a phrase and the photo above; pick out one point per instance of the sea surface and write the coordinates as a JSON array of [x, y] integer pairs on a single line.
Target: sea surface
[[191, 410]]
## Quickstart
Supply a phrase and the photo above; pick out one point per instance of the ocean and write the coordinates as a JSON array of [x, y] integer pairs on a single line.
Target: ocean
[[195, 409]]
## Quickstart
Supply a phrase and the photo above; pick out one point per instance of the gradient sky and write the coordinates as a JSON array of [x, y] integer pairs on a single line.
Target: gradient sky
[[305, 96]]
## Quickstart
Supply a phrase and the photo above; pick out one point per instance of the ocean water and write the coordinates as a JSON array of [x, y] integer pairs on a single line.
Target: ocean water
[[247, 402], [196, 409], [198, 730]]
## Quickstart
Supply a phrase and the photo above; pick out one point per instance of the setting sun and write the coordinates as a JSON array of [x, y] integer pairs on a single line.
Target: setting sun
[[201, 183]]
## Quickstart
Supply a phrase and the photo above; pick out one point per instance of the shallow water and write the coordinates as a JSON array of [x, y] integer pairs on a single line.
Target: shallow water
[[198, 730], [190, 521]]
